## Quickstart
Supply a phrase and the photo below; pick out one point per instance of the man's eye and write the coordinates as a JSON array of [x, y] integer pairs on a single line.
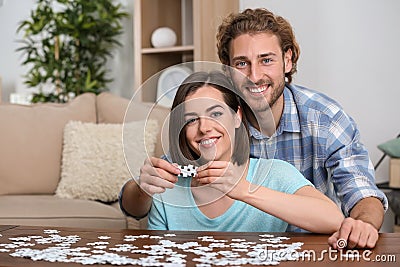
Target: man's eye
[[240, 64], [191, 121], [266, 60]]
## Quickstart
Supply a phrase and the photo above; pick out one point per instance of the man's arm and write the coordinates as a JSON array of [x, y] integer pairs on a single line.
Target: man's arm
[[361, 228], [155, 176], [369, 210], [134, 201], [354, 179]]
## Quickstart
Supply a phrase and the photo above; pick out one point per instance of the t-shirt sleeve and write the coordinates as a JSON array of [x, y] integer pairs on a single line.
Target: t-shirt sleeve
[[157, 219], [281, 176]]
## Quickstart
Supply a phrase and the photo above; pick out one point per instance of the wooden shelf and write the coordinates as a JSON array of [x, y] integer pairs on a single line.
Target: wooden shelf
[[182, 48], [195, 23]]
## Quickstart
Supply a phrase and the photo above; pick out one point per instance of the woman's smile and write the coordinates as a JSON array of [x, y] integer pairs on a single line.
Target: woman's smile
[[208, 142]]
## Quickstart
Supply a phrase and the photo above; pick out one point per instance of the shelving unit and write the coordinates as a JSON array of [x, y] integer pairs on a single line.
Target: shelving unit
[[194, 22]]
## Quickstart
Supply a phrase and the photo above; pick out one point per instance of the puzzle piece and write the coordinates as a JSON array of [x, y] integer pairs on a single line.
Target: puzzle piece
[[267, 250], [187, 171]]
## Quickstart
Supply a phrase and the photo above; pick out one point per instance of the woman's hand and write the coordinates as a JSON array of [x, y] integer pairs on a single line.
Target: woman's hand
[[225, 177], [156, 175]]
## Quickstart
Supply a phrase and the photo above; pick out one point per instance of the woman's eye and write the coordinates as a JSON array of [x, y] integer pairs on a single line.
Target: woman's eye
[[191, 121], [216, 114]]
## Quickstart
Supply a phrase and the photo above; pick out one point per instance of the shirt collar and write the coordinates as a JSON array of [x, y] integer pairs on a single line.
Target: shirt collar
[[290, 118], [290, 121]]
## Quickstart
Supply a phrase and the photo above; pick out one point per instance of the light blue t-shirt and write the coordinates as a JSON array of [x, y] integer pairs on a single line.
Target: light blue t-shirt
[[175, 209]]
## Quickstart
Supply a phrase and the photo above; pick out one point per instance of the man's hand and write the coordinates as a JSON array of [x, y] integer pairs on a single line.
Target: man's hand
[[360, 230], [354, 234], [156, 175]]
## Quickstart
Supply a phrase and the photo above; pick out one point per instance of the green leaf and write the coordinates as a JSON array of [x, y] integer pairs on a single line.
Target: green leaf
[[88, 33]]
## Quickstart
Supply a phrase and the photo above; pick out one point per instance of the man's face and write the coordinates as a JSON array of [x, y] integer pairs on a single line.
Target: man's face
[[261, 68]]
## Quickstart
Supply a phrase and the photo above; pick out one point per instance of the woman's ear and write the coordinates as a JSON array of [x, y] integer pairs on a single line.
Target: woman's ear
[[238, 117]]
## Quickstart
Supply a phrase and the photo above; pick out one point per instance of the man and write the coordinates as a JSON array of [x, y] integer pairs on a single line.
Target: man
[[310, 130]]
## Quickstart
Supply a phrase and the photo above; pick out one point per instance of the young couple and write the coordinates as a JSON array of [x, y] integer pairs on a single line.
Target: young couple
[[231, 192], [311, 132]]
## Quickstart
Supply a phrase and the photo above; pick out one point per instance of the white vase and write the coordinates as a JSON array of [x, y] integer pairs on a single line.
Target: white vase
[[163, 37]]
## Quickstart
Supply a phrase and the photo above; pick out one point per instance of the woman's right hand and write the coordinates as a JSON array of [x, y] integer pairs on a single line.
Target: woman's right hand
[[156, 175]]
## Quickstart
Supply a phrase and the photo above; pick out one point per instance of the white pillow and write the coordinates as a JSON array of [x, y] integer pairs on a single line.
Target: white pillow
[[93, 163]]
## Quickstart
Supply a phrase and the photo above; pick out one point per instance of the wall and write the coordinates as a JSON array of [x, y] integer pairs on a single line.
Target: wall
[[349, 50], [11, 71]]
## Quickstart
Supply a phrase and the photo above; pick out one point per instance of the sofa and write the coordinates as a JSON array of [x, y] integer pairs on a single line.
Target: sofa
[[38, 165]]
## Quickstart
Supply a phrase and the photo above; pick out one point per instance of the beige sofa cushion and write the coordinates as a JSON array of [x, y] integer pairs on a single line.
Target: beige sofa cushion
[[31, 143], [93, 163], [47, 210], [112, 109]]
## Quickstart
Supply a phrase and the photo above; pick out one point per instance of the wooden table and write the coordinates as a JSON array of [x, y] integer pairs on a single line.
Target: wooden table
[[386, 253]]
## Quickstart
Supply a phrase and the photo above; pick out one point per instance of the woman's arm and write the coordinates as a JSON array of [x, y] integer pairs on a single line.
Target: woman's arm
[[307, 208], [302, 205]]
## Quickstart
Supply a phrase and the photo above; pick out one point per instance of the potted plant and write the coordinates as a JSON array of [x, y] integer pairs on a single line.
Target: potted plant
[[66, 44]]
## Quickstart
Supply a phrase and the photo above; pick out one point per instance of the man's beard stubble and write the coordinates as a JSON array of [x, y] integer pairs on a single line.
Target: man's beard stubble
[[262, 105]]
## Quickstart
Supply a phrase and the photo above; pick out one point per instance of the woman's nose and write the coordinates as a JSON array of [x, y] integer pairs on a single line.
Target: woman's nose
[[205, 124]]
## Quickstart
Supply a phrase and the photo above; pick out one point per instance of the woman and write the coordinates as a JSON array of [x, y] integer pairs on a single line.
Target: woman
[[231, 192]]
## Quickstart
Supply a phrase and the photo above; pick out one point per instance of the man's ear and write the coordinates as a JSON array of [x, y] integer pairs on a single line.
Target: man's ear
[[238, 117], [287, 59]]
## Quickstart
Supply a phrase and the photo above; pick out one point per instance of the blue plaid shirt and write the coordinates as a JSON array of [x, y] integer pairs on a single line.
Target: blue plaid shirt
[[323, 143]]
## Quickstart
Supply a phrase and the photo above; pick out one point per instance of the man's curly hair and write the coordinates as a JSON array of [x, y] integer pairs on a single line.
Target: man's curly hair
[[254, 21]]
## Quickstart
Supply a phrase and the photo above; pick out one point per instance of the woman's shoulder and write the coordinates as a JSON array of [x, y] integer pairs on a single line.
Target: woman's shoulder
[[277, 164], [277, 174], [274, 168]]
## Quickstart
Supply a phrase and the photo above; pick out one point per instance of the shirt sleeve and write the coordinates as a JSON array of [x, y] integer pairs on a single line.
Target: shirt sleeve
[[287, 178], [347, 159], [157, 219], [279, 175]]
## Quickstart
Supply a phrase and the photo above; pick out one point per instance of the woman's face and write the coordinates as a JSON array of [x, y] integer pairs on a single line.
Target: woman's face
[[210, 124]]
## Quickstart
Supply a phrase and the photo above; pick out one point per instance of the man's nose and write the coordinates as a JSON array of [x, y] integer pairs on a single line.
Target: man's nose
[[256, 73]]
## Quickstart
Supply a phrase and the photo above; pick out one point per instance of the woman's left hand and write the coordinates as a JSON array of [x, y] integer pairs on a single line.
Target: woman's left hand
[[225, 177]]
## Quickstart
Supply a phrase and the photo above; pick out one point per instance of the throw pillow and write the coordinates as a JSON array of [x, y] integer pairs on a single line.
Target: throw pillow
[[93, 163], [391, 148]]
